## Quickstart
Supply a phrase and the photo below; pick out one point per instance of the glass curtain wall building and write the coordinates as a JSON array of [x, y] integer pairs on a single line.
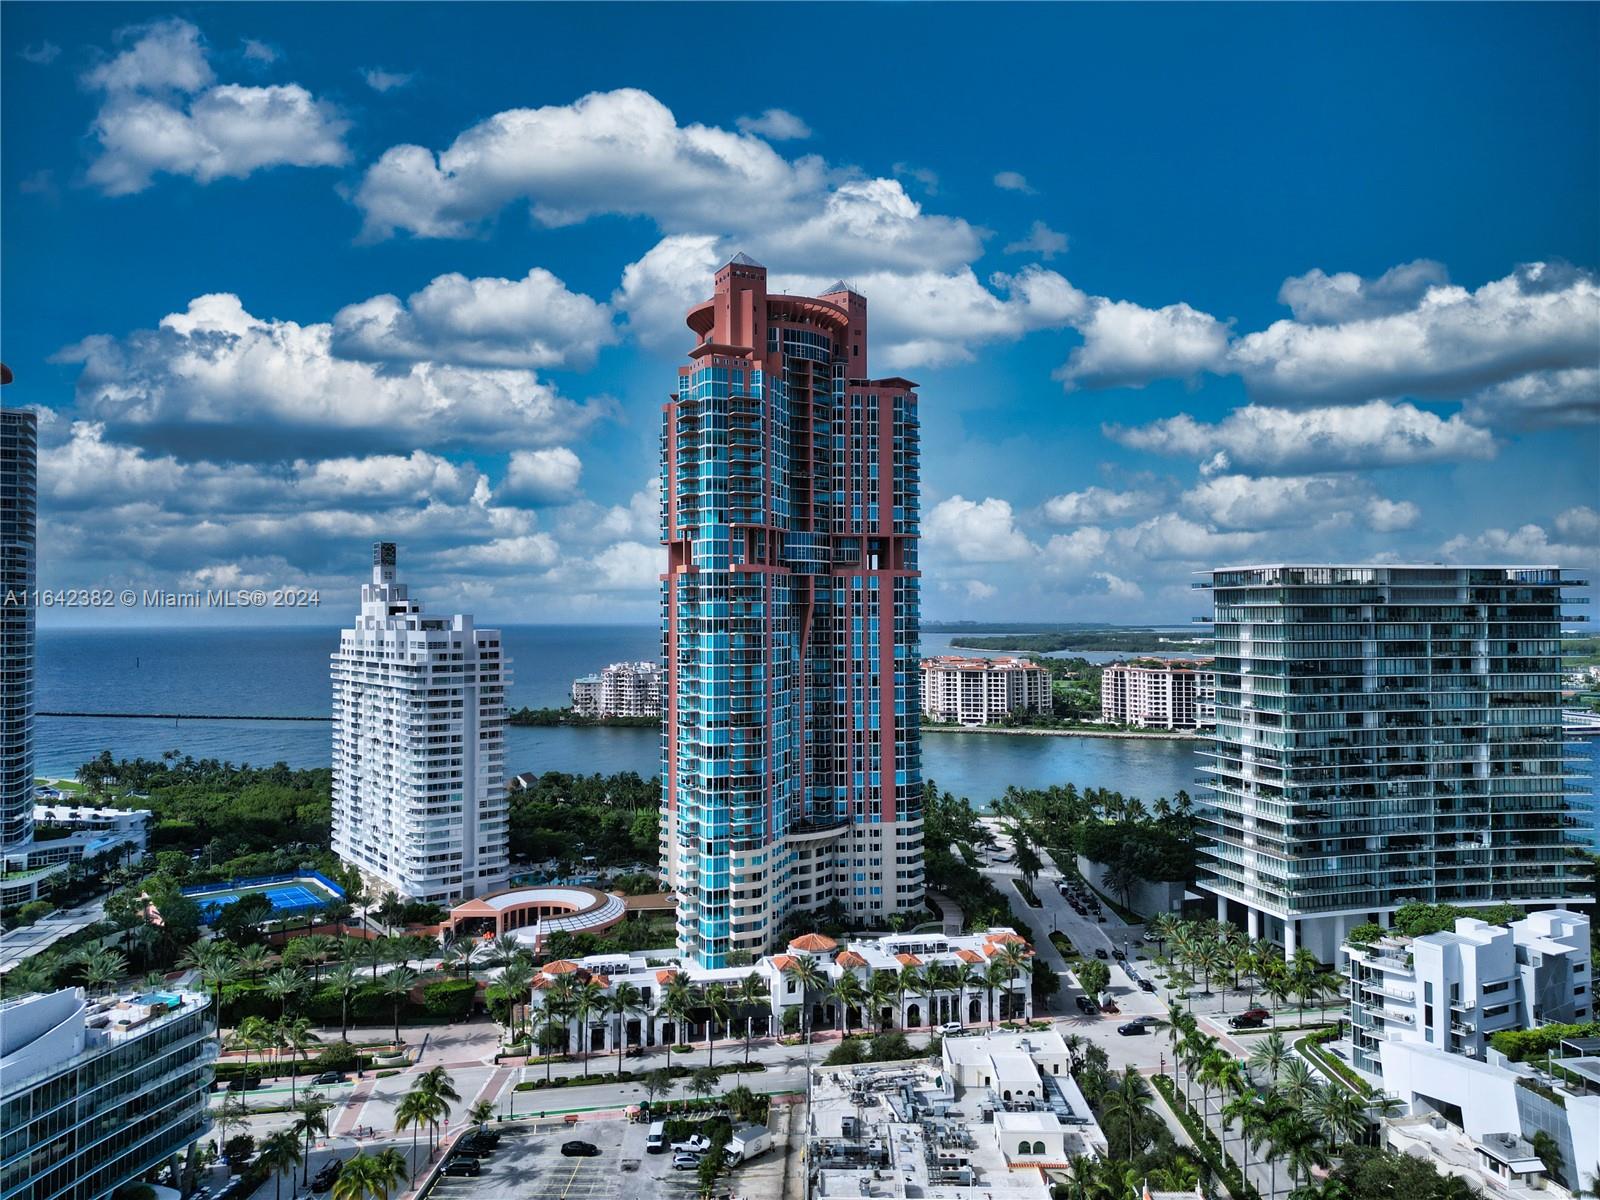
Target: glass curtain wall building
[[19, 456], [790, 740], [1386, 734]]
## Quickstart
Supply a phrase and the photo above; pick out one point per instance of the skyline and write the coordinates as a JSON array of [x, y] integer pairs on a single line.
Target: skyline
[[1198, 304]]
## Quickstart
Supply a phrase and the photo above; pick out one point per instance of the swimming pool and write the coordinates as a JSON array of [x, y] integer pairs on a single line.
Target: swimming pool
[[288, 897]]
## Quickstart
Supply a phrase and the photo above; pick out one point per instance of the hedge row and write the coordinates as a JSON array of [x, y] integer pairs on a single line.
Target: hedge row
[[678, 1072], [450, 999]]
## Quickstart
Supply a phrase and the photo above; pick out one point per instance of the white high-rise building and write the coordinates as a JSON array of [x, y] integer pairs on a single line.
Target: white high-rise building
[[624, 689], [419, 802]]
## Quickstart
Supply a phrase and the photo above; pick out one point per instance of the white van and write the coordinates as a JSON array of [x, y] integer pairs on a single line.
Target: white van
[[656, 1140]]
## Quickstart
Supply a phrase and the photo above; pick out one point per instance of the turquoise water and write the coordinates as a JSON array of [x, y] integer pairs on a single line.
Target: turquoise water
[[285, 672]]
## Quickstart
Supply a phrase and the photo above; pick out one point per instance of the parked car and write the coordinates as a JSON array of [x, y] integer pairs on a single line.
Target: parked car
[[950, 1027], [1258, 1013], [1086, 1005], [475, 1146], [329, 1077], [1119, 956], [470, 1167], [1146, 986], [685, 1162], [579, 1149], [1101, 954], [1244, 1021], [1132, 1028]]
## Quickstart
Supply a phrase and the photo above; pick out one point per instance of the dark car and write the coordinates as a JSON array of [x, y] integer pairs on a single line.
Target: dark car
[[1100, 954], [1246, 1021], [1086, 1005], [1132, 1028], [579, 1149], [327, 1176], [329, 1077], [470, 1167], [1146, 986], [476, 1147], [1119, 956]]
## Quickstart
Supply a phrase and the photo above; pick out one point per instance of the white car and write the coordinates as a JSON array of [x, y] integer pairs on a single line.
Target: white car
[[952, 1027], [698, 1144], [685, 1162]]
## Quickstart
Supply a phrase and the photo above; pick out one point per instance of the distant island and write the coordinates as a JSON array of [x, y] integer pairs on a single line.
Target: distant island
[[567, 716], [1127, 641]]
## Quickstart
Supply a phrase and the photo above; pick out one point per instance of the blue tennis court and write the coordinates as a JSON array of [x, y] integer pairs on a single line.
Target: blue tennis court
[[287, 898]]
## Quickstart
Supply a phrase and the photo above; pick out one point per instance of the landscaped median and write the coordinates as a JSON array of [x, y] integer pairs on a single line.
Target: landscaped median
[[1311, 1046], [1206, 1142]]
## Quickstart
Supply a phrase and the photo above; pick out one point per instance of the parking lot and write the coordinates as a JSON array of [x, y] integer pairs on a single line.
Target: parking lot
[[529, 1165]]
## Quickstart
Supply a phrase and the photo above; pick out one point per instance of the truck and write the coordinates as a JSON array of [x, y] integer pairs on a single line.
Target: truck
[[745, 1142]]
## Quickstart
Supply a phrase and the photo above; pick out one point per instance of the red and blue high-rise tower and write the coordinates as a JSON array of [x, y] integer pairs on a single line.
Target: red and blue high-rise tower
[[791, 753]]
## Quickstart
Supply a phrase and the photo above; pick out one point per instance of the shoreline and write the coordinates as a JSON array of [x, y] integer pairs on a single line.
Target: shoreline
[[1011, 731]]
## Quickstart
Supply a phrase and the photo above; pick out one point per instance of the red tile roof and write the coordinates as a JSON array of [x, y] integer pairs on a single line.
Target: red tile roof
[[784, 961], [561, 966], [908, 960], [850, 959], [968, 956], [814, 943]]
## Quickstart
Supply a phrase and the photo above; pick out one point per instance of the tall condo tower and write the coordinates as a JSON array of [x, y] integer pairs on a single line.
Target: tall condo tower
[[791, 755], [19, 519], [419, 803], [1386, 734]]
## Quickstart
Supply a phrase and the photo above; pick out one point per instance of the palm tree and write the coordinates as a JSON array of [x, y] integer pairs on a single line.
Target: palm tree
[[481, 1113], [751, 995], [1014, 957], [1160, 928], [389, 1172], [413, 1112], [295, 1036], [677, 1003], [516, 981], [995, 977], [847, 993], [968, 979], [102, 968], [397, 985], [1130, 1099], [312, 1122], [659, 1080], [346, 978], [703, 1081], [280, 1155], [1338, 1113], [253, 961], [588, 998], [367, 1175], [1268, 1055], [1297, 1081], [316, 949], [624, 1001], [281, 985], [715, 1002], [253, 1033], [810, 977], [1244, 1109], [880, 991], [1296, 1142]]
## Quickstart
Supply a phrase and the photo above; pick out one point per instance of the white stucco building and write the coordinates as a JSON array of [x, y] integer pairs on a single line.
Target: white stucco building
[[624, 689], [927, 980], [1176, 694], [419, 804], [978, 691], [1454, 989]]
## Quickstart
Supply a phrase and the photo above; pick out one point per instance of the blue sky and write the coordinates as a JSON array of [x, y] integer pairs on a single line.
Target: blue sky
[[1182, 285]]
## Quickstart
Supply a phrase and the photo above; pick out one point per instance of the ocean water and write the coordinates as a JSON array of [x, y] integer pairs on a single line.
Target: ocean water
[[284, 672]]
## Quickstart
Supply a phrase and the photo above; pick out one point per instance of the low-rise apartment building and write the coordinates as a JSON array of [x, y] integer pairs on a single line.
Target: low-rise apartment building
[[1172, 694], [980, 691], [1453, 990], [96, 1092], [624, 689], [901, 981]]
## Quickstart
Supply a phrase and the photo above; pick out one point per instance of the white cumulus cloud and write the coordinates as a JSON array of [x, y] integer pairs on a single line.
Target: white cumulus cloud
[[1127, 345], [1258, 437], [534, 321], [542, 476], [976, 531], [163, 113], [776, 125]]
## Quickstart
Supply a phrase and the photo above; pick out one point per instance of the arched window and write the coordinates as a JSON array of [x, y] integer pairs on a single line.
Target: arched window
[[1038, 1147], [1022, 1147]]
